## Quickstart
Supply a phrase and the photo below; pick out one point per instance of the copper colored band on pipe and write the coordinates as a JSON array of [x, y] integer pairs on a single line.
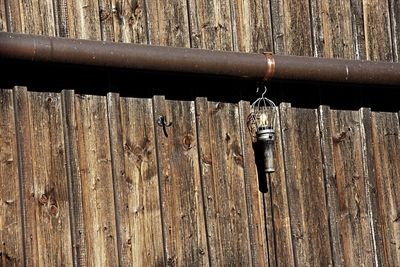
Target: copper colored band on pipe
[[270, 70]]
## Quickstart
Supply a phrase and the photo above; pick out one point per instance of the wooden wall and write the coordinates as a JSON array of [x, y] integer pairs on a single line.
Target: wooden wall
[[94, 181]]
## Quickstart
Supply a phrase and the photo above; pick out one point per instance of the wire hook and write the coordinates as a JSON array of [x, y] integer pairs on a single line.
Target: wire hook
[[265, 90]]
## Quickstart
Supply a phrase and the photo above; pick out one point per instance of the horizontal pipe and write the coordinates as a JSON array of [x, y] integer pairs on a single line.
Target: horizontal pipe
[[195, 61]]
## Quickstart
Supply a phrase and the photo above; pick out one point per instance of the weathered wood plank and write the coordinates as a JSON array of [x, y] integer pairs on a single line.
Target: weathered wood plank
[[358, 31], [136, 181], [168, 22], [277, 20], [96, 178], [61, 18], [74, 178], [305, 185], [11, 242], [181, 193], [37, 17], [49, 181], [280, 205], [332, 28], [386, 136], [261, 230], [370, 185], [394, 8], [13, 18], [207, 174], [252, 23], [291, 26], [130, 23], [353, 221], [3, 16], [377, 30], [25, 172], [223, 181], [211, 24], [84, 19], [106, 20], [332, 198]]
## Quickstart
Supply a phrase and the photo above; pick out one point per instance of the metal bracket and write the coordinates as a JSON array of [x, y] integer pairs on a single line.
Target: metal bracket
[[162, 122]]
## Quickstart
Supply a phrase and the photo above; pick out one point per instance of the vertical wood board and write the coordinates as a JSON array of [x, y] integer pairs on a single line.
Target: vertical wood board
[[49, 180], [356, 239], [305, 184], [25, 172], [130, 21], [96, 180], [136, 181], [11, 242], [168, 22], [224, 188], [211, 24], [181, 192], [386, 136], [377, 30]]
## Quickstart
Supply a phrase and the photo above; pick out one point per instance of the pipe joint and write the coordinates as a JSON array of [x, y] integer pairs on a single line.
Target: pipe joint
[[270, 70]]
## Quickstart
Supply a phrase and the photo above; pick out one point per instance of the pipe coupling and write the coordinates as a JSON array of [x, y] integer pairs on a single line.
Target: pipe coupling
[[270, 70]]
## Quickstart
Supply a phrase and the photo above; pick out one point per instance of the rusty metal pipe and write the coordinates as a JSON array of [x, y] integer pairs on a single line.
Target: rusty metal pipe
[[195, 61]]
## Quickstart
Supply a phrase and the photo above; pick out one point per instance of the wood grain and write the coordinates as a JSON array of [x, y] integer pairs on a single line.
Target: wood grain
[[332, 28], [280, 203], [261, 231], [370, 185], [252, 26], [78, 232], [332, 197], [96, 180], [168, 22], [130, 21], [181, 193], [211, 24], [49, 180], [3, 16], [355, 230], [291, 26], [136, 181], [386, 136], [223, 180], [84, 19], [61, 18], [12, 16], [11, 242], [377, 30], [358, 31], [37, 17], [394, 9], [305, 185], [106, 20], [25, 173]]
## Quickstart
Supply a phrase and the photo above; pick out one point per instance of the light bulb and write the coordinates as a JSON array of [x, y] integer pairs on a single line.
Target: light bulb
[[263, 120]]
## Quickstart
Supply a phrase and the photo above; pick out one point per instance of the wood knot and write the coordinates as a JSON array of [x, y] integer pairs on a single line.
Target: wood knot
[[188, 141], [171, 261], [53, 210], [238, 159], [207, 160], [339, 137], [43, 199], [104, 14]]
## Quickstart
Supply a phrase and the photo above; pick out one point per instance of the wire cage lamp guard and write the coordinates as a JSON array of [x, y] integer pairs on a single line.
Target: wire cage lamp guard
[[261, 124]]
